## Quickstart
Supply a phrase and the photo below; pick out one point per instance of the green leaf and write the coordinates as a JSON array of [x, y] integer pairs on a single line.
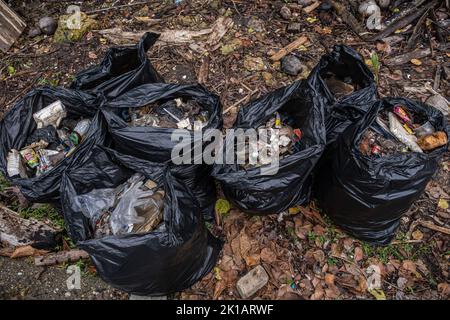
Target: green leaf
[[443, 204], [377, 293], [11, 70], [222, 206], [375, 64]]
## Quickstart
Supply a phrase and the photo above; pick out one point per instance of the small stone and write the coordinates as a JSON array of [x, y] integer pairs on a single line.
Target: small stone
[[254, 280], [47, 25], [304, 3], [437, 101], [34, 32], [67, 294], [291, 65], [255, 24], [285, 12], [294, 27], [325, 6], [268, 78]]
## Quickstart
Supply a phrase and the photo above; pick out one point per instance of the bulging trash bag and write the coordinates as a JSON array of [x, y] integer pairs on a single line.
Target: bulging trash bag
[[172, 257], [122, 69], [367, 195], [256, 192], [345, 86], [18, 129], [155, 143]]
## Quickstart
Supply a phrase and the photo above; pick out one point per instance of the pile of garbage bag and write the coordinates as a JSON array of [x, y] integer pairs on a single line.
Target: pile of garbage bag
[[105, 150]]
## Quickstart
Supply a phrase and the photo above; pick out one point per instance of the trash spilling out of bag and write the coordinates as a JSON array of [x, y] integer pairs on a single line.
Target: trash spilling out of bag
[[404, 131], [155, 143], [282, 140], [135, 206], [380, 165], [274, 172], [55, 138], [175, 113]]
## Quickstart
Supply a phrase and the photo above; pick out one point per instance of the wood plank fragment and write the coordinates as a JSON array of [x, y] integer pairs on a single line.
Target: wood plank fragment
[[16, 231], [434, 227], [60, 257], [11, 26], [406, 57]]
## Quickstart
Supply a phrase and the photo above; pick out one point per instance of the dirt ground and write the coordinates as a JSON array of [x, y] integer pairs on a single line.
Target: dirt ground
[[306, 256]]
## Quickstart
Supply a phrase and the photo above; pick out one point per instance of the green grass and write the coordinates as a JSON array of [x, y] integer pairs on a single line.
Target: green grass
[[3, 183], [42, 212], [332, 261], [312, 236], [400, 251], [291, 232]]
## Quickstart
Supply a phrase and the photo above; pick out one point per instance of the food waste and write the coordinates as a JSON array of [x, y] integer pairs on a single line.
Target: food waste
[[282, 139], [175, 113], [55, 138], [135, 206], [404, 132]]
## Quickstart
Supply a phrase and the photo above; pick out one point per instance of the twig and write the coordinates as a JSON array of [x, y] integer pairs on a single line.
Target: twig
[[405, 58], [399, 242], [351, 262], [403, 22], [9, 56], [430, 89], [412, 41], [312, 7], [117, 7], [60, 257], [240, 101], [434, 227], [24, 90], [348, 18], [289, 48], [437, 77]]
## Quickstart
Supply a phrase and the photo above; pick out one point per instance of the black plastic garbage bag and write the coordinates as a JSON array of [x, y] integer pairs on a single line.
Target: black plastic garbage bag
[[155, 143], [348, 66], [366, 196], [18, 126], [122, 69], [169, 259], [254, 192]]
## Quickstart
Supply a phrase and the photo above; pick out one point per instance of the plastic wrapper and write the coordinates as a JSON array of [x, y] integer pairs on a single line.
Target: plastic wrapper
[[169, 259]]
